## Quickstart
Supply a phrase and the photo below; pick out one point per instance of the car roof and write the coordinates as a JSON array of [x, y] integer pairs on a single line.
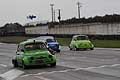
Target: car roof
[[42, 38], [79, 35], [31, 41]]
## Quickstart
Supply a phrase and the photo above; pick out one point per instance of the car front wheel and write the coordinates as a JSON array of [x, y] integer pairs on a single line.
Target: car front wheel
[[24, 66], [14, 62]]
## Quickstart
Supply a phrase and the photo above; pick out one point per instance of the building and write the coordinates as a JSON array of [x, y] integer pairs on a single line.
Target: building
[[12, 29]]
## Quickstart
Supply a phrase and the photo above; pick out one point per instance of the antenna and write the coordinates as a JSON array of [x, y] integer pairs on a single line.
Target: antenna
[[79, 6]]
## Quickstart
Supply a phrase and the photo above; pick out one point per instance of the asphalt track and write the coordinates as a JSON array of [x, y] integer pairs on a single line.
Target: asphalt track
[[98, 64]]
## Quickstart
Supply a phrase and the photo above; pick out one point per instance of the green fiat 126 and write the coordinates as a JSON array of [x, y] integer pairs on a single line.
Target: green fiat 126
[[81, 42], [33, 53]]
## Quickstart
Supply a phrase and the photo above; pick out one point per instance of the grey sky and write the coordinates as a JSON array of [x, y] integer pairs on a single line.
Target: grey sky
[[17, 10]]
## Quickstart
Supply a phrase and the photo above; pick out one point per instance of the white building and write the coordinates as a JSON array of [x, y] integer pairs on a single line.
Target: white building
[[91, 29]]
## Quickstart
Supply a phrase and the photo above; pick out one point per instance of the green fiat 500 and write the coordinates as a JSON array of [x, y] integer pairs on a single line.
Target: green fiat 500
[[81, 42], [33, 53]]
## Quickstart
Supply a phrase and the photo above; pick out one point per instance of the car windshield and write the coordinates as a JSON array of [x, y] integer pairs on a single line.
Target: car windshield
[[50, 40], [35, 46], [82, 38]]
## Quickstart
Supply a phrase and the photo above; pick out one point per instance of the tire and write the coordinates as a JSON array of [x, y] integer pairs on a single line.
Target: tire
[[53, 65], [24, 66], [77, 49], [58, 51], [85, 49], [91, 48], [70, 48], [14, 62]]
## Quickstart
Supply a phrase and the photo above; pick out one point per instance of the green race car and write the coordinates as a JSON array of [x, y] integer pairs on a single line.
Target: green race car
[[80, 42], [33, 53]]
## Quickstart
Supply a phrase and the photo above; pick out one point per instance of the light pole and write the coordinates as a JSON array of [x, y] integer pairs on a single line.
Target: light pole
[[52, 10], [79, 6], [59, 15], [54, 15]]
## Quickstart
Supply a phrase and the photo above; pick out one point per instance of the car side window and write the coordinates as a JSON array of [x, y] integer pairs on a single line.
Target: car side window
[[19, 48], [74, 39]]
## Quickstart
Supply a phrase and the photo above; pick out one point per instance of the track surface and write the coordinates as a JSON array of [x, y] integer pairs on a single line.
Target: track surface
[[98, 64]]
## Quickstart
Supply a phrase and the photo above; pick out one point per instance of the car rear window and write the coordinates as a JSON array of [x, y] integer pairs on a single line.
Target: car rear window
[[50, 40], [35, 46], [82, 38]]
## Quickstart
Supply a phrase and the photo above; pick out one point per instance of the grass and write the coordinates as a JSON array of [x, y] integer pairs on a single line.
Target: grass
[[107, 43], [65, 41], [13, 39], [97, 43]]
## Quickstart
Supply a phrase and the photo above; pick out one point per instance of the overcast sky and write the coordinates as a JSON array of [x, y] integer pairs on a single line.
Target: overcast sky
[[17, 10]]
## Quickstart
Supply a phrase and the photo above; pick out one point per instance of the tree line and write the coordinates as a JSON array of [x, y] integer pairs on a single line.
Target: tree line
[[115, 18]]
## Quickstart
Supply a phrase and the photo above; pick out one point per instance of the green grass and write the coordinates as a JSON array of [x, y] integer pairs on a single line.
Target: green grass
[[13, 39], [97, 43], [65, 41], [107, 43]]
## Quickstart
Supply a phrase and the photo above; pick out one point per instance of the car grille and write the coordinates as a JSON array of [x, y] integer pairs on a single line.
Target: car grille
[[39, 61]]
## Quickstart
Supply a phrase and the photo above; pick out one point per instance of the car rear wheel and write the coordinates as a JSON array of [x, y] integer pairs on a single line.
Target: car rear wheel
[[91, 48], [70, 48], [58, 51], [53, 65], [76, 49]]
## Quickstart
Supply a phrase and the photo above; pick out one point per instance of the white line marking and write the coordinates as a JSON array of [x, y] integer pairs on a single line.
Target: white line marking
[[41, 73], [42, 78], [12, 74], [3, 65], [104, 66], [76, 69], [114, 65], [65, 70], [90, 68]]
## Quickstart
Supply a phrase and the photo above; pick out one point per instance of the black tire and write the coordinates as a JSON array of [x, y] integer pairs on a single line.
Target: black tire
[[14, 62], [77, 49], [24, 66], [70, 48], [85, 49], [53, 65], [91, 48], [58, 51]]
